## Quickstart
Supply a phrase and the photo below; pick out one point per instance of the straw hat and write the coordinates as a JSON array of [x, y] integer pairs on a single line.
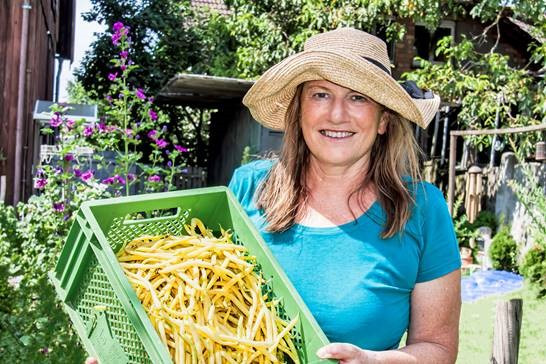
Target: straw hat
[[348, 57]]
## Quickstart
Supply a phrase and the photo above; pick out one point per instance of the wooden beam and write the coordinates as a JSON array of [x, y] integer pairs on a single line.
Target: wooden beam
[[522, 129], [451, 181], [506, 333]]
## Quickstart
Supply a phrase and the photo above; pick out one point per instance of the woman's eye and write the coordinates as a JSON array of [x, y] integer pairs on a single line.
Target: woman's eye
[[359, 98], [320, 95]]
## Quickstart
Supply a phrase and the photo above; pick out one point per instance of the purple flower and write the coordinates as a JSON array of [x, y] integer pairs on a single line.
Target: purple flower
[[153, 114], [58, 170], [152, 134], [169, 164], [117, 26], [109, 180], [115, 38], [123, 54], [112, 76], [40, 183], [77, 172], [154, 178], [88, 131], [86, 176], [109, 98], [129, 132], [123, 67], [69, 157], [161, 143], [58, 206], [119, 179], [137, 137], [180, 148], [102, 127], [55, 121], [130, 176], [151, 99], [164, 128], [140, 94], [70, 123]]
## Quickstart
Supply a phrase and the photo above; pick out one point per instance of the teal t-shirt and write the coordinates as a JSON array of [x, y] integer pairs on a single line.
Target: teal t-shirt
[[357, 285]]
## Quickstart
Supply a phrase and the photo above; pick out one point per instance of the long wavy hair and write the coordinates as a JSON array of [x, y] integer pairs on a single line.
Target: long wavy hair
[[394, 157]]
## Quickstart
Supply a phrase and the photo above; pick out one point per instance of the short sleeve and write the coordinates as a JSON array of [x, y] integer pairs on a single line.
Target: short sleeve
[[246, 179], [440, 250]]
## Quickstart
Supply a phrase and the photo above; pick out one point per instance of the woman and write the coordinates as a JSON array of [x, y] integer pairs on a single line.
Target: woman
[[370, 248]]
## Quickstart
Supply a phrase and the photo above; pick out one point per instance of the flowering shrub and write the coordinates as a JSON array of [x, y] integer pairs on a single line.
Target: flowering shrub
[[34, 328]]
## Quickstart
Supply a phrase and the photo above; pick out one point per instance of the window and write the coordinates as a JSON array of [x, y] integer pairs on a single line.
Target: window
[[425, 42]]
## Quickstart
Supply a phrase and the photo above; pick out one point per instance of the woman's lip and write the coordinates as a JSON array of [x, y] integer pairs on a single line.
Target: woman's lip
[[336, 134]]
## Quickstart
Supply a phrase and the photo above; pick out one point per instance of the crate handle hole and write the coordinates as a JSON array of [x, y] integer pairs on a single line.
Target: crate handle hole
[[140, 217]]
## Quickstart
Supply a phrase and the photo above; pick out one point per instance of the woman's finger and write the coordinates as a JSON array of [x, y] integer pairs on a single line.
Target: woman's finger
[[339, 351]]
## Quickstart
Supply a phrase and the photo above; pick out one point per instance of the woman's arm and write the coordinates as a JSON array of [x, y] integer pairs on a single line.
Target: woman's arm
[[433, 333]]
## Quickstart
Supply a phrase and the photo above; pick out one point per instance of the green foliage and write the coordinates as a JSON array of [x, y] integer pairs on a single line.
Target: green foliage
[[504, 251], [533, 267], [487, 85], [486, 218], [532, 195], [34, 327]]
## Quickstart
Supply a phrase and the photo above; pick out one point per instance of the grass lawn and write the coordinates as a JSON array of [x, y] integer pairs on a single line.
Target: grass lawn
[[478, 319]]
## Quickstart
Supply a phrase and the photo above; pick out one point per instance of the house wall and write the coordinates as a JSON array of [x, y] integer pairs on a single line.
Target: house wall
[[233, 129], [405, 50], [42, 39], [501, 198]]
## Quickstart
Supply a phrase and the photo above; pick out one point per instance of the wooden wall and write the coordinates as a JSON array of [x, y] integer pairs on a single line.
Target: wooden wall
[[43, 32]]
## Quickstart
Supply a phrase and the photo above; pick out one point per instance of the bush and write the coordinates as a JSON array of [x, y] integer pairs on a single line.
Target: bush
[[486, 218], [533, 268], [504, 251]]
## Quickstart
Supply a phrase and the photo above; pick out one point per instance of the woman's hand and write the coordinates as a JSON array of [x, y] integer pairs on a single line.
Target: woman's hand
[[346, 354]]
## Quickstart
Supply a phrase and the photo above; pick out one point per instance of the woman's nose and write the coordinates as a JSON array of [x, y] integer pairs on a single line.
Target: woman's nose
[[338, 111]]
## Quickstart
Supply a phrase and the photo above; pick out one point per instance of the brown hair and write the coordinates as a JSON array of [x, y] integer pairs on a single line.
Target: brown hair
[[394, 157]]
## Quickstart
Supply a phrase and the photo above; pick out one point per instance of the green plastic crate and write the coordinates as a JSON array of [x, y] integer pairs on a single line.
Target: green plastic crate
[[101, 302]]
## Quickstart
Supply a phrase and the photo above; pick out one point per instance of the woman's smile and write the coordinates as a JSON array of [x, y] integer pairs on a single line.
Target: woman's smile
[[336, 134]]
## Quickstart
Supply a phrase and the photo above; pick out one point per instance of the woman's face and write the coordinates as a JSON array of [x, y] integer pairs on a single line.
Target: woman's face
[[339, 125]]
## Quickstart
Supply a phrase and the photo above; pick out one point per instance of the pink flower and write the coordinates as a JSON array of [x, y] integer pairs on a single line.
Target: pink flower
[[88, 131], [117, 26], [152, 134], [40, 183], [123, 67], [77, 172], [140, 94], [153, 114], [86, 176], [109, 181], [115, 38], [70, 123], [161, 143], [123, 54], [180, 148], [129, 132], [119, 179], [112, 76], [55, 121], [154, 178], [102, 127], [130, 176], [69, 157], [58, 206]]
